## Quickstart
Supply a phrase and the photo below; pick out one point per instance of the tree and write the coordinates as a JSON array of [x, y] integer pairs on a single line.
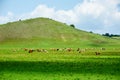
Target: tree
[[106, 34], [72, 25], [110, 35], [91, 32]]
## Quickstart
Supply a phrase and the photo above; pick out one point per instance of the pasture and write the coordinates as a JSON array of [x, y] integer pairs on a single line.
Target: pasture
[[26, 52], [19, 64]]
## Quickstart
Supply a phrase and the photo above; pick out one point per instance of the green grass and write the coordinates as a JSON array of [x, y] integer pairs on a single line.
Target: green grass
[[46, 33], [20, 65], [17, 64]]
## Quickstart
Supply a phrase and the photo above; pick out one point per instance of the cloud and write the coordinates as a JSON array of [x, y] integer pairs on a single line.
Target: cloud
[[89, 8], [7, 18], [44, 11], [99, 16], [60, 15]]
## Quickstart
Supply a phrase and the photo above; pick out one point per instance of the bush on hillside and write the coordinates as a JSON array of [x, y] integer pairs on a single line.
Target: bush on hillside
[[72, 25]]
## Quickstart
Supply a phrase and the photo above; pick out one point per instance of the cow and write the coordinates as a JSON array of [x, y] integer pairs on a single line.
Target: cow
[[31, 51], [44, 50], [25, 49], [78, 49], [97, 53], [39, 50], [69, 49], [102, 48]]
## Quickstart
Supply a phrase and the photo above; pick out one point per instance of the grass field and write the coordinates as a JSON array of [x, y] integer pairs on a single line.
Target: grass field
[[17, 64]]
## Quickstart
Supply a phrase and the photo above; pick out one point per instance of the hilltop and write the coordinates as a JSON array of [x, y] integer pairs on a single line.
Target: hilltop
[[45, 32]]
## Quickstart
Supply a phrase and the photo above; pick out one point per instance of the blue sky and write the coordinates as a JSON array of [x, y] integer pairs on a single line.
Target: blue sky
[[99, 16], [24, 6]]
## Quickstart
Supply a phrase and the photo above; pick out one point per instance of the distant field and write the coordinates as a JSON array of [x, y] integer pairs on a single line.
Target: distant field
[[17, 64]]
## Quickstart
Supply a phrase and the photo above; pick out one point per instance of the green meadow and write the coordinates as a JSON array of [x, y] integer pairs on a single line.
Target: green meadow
[[59, 65], [44, 33]]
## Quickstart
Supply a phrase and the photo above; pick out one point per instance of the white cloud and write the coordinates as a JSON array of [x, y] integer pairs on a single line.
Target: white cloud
[[92, 15], [60, 15], [89, 8], [66, 16], [99, 15], [7, 18], [44, 11]]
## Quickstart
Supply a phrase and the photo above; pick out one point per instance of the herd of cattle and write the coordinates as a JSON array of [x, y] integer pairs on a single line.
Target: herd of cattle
[[78, 50]]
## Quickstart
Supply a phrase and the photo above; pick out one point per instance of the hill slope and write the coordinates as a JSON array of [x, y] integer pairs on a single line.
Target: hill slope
[[44, 32]]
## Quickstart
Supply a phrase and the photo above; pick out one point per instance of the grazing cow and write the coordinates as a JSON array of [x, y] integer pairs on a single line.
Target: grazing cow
[[78, 49], [31, 51], [103, 48], [39, 50], [43, 50], [57, 49], [69, 49], [61, 49], [53, 49], [97, 53], [25, 49]]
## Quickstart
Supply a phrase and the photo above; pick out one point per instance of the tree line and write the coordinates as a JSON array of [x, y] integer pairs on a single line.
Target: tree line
[[111, 35], [106, 34]]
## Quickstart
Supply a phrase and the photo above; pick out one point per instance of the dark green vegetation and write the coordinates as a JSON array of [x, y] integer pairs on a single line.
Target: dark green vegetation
[[17, 64], [111, 35]]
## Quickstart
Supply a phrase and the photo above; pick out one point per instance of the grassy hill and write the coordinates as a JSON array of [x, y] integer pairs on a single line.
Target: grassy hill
[[46, 33]]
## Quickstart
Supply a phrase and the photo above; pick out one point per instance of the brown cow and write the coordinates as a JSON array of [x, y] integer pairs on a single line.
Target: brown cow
[[31, 51], [69, 49], [97, 53], [25, 49]]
